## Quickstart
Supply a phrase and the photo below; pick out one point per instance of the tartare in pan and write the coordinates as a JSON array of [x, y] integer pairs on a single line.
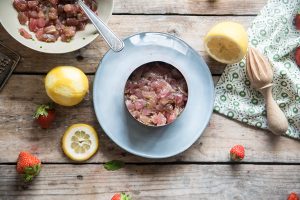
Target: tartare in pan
[[156, 93]]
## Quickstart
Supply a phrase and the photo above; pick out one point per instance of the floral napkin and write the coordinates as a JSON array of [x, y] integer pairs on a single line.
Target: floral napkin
[[272, 33]]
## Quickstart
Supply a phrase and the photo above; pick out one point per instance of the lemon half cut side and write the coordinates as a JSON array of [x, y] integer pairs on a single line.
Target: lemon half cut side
[[227, 42]]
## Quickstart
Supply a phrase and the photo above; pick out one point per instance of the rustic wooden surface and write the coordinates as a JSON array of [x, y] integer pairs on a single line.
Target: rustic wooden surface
[[20, 132], [189, 7], [151, 182], [88, 58], [270, 170]]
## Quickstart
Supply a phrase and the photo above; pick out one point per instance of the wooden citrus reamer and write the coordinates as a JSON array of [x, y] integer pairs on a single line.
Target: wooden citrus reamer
[[260, 74]]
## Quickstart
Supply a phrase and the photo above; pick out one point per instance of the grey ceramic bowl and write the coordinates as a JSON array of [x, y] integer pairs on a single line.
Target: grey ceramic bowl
[[111, 112]]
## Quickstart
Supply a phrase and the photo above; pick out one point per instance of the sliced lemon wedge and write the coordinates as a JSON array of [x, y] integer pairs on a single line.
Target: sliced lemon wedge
[[80, 142], [227, 42]]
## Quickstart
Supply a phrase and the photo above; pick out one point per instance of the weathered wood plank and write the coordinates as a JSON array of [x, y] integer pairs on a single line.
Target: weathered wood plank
[[196, 7], [170, 182], [192, 29], [18, 132]]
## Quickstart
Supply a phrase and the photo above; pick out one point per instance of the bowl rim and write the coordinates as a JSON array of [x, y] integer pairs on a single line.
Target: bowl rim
[[142, 154], [171, 66]]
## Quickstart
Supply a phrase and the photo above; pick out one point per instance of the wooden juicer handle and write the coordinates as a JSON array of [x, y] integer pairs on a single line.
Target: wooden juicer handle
[[277, 121], [260, 74]]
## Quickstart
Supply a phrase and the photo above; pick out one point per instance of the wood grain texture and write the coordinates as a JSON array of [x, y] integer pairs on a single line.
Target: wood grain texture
[[148, 182], [23, 93], [192, 29], [191, 7]]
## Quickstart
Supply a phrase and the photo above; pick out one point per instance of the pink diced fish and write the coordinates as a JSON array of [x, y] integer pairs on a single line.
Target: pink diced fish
[[156, 94], [52, 19]]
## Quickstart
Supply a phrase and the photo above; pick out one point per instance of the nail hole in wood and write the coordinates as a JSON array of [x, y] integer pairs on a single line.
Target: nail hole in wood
[[79, 58]]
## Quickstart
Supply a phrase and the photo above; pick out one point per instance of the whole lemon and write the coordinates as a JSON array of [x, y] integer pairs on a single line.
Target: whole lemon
[[66, 85]]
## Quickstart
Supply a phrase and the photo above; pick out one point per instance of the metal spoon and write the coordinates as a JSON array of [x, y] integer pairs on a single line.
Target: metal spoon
[[115, 43]]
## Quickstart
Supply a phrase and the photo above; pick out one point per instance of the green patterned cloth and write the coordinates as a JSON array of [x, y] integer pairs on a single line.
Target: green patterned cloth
[[272, 33]]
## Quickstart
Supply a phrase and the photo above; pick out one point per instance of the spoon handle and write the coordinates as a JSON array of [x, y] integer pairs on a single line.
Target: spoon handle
[[115, 43], [277, 121]]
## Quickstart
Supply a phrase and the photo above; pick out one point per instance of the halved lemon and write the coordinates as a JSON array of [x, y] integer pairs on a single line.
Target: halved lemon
[[80, 142], [227, 42]]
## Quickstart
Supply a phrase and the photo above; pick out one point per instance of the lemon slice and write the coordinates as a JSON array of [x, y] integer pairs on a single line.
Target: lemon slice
[[227, 42], [80, 142]]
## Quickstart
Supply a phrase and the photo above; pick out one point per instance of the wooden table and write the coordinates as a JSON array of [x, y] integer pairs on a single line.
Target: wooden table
[[270, 170]]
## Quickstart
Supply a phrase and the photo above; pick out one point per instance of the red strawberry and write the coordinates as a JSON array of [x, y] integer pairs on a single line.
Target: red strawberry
[[237, 153], [293, 196], [297, 21], [121, 196], [44, 115], [297, 56], [28, 165]]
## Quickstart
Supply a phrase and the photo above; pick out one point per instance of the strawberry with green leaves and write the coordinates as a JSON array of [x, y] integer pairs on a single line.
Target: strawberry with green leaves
[[121, 196], [237, 153], [28, 165], [293, 196], [45, 115]]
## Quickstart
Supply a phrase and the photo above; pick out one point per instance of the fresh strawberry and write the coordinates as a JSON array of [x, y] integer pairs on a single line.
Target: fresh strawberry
[[297, 21], [237, 153], [293, 196], [297, 56], [28, 165], [121, 196], [44, 115]]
